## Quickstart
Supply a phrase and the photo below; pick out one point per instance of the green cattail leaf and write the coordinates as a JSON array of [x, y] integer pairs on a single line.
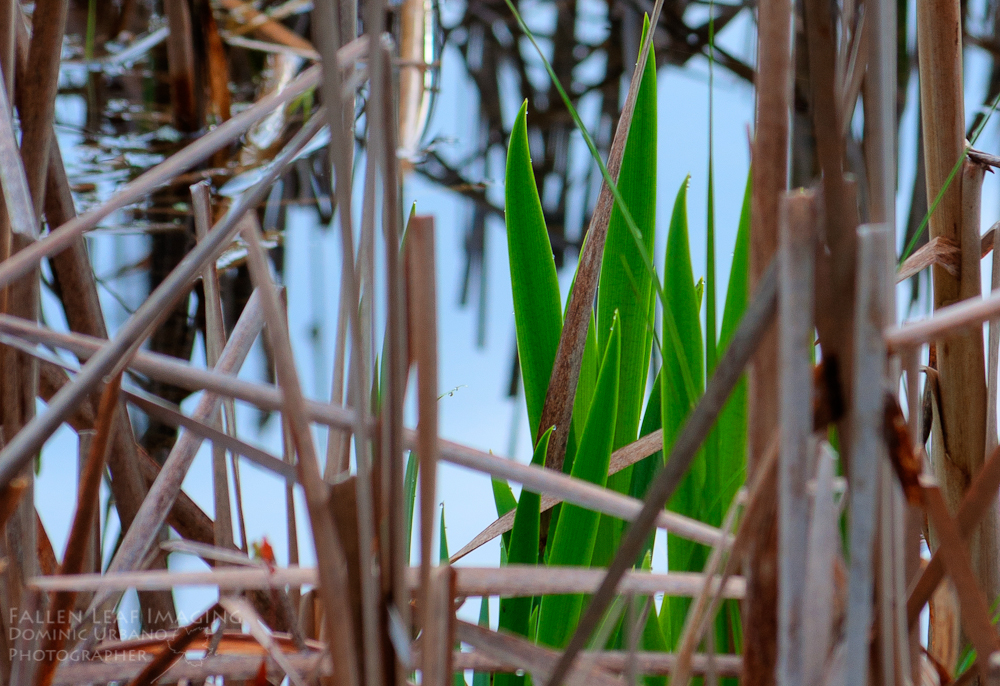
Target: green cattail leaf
[[676, 402], [409, 496], [504, 499], [483, 678], [537, 311], [576, 531], [515, 613]]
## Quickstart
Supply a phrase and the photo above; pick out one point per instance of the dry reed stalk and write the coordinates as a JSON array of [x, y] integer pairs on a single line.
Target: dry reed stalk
[[267, 27], [867, 418], [197, 152], [117, 352], [769, 168], [329, 549], [512, 581], [823, 553], [39, 100], [438, 636], [162, 411], [152, 515], [797, 249], [648, 663], [977, 498], [557, 410], [77, 288], [423, 338], [974, 608], [958, 452], [181, 68], [18, 378], [397, 356], [215, 340], [80, 533], [758, 317]]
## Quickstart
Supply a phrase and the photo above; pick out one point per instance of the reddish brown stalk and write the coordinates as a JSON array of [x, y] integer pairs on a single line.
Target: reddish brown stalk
[[80, 535], [423, 337], [180, 60], [48, 22], [769, 167], [266, 27]]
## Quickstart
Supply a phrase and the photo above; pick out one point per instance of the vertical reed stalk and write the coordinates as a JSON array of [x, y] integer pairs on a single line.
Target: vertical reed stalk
[[959, 451], [769, 168]]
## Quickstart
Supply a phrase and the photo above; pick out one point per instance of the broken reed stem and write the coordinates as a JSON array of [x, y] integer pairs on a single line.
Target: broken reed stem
[[334, 588], [867, 419], [80, 533], [423, 334], [797, 248]]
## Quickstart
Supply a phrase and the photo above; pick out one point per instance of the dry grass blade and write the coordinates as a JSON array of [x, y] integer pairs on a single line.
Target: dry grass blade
[[620, 459], [571, 490], [88, 505], [756, 320]]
